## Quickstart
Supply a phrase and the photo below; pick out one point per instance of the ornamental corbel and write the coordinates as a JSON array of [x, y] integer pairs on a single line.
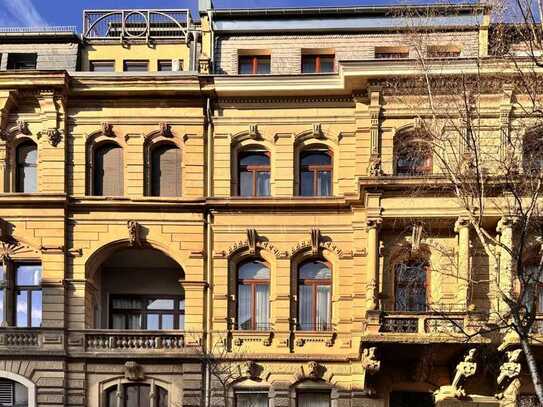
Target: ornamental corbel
[[54, 136], [250, 370], [314, 370], [464, 370], [134, 233], [252, 238], [508, 380], [165, 130], [107, 129], [133, 371], [315, 241], [317, 130], [253, 131], [22, 127], [370, 363]]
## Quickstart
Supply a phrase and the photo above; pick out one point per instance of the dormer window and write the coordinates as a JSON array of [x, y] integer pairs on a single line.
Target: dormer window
[[22, 60], [314, 61], [444, 51], [391, 52], [254, 63]]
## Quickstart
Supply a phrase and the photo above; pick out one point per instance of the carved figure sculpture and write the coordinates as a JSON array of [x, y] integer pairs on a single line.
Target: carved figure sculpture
[[508, 380]]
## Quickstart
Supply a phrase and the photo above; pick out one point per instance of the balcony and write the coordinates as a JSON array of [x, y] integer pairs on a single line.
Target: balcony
[[31, 341], [136, 25], [121, 343]]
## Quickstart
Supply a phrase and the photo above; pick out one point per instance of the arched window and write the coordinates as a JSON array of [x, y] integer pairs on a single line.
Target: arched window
[[165, 171], [254, 173], [253, 306], [252, 398], [413, 157], [314, 296], [136, 395], [316, 173], [13, 394], [26, 177], [532, 150], [410, 286], [108, 170]]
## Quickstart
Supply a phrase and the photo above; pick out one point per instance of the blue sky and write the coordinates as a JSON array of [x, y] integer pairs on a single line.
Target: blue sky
[[69, 12]]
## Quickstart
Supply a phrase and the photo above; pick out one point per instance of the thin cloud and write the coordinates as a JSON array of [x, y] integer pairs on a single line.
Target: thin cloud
[[22, 12]]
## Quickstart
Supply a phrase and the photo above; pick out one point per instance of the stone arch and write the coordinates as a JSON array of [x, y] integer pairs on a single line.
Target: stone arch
[[306, 141], [115, 382], [154, 140], [242, 142], [25, 382], [94, 141], [314, 376]]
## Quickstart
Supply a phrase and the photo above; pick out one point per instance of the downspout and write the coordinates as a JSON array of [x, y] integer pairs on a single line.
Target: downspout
[[208, 247]]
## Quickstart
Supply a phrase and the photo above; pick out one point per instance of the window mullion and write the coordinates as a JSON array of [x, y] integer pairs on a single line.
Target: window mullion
[[9, 295]]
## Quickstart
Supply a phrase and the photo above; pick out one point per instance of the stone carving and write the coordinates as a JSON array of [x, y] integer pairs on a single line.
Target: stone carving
[[107, 129], [315, 241], [165, 129], [250, 370], [54, 136], [375, 168], [314, 370], [238, 341], [252, 238], [253, 131], [22, 127], [133, 371], [416, 237], [464, 370], [204, 65], [369, 360], [508, 380], [317, 130], [134, 233]]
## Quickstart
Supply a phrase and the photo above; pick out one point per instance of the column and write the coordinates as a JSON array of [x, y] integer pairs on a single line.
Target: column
[[461, 227], [372, 278], [502, 280]]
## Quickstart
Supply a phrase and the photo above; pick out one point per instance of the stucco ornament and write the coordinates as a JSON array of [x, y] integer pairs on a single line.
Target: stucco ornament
[[107, 129], [464, 370], [508, 380], [54, 136], [369, 360], [252, 239], [251, 370], [133, 371], [314, 370], [22, 127], [315, 241], [375, 167], [134, 233], [165, 130]]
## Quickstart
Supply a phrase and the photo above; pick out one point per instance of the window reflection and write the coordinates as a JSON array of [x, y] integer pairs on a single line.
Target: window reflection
[[314, 291], [28, 296], [254, 174], [315, 173]]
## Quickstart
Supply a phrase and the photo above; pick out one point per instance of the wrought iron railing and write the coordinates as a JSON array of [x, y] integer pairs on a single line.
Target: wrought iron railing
[[422, 323], [48, 29], [127, 25]]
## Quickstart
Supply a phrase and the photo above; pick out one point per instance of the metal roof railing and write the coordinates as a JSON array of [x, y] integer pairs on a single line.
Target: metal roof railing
[[129, 25], [48, 29]]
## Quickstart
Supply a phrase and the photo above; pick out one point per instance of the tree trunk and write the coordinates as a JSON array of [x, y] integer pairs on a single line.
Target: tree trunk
[[532, 368]]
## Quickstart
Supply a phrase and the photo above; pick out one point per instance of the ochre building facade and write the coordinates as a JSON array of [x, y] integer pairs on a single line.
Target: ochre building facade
[[214, 213]]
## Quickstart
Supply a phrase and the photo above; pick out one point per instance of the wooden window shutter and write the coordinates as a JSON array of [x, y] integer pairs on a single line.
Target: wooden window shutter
[[108, 171], [166, 171]]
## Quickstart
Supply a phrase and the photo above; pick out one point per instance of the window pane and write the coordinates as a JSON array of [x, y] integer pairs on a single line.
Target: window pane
[[2, 311], [22, 309], [20, 60], [254, 159], [108, 171], [162, 397], [246, 183], [118, 321], [152, 322], [164, 65], [315, 270], [244, 307], [112, 397], [325, 183], [262, 183], [253, 270], [262, 307], [167, 321], [126, 303], [134, 321], [136, 66], [327, 64], [36, 308], [28, 275], [181, 322], [251, 399], [21, 395], [323, 307], [160, 304], [305, 307], [313, 399], [263, 65], [2, 273], [309, 64], [102, 66], [306, 183], [316, 158], [27, 158], [165, 171], [410, 292], [245, 65], [131, 394]]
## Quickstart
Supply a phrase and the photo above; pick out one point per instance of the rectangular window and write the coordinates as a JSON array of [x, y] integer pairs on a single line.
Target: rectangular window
[[254, 65], [136, 66], [312, 399], [165, 65], [28, 295], [318, 63], [102, 66], [391, 53], [147, 312], [22, 60], [251, 398], [438, 51]]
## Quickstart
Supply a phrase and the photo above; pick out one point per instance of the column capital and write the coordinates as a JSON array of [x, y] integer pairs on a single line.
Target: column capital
[[373, 223], [461, 223], [506, 222]]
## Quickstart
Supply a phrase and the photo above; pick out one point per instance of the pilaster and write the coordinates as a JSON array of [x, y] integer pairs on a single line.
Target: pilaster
[[462, 228]]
